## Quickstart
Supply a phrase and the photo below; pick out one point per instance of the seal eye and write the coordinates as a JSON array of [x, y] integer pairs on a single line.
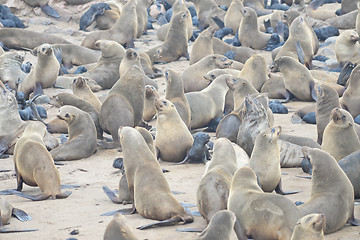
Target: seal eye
[[212, 76], [164, 102], [43, 49], [67, 115], [223, 59]]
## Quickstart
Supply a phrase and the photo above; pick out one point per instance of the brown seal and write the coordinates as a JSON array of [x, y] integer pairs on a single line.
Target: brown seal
[[149, 189], [34, 165], [350, 97], [149, 109], [347, 46], [82, 90], [206, 10], [118, 228], [213, 191], [45, 71], [310, 226], [340, 138], [334, 197], [142, 16], [174, 92], [241, 53], [276, 214], [193, 75], [108, 19], [10, 71], [173, 138], [274, 87], [232, 18], [82, 135], [124, 30], [203, 45], [124, 105], [255, 71]]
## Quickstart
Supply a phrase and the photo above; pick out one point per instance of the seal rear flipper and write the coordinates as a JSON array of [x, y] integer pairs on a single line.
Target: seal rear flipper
[[39, 197], [288, 96], [279, 190], [111, 195], [300, 52], [63, 195], [69, 186], [183, 161], [7, 230], [21, 215], [306, 166], [38, 90], [345, 73], [169, 222], [239, 230], [353, 221], [218, 22], [50, 11], [313, 91], [6, 192]]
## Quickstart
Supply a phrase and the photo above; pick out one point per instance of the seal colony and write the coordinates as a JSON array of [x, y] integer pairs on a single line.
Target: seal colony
[[87, 128]]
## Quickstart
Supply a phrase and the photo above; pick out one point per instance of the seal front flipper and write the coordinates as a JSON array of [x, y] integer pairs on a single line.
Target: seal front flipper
[[345, 73], [353, 221], [300, 52], [63, 195], [190, 229], [240, 231], [50, 11], [21, 215], [313, 91], [218, 22], [111, 195], [183, 161], [288, 96], [39, 197], [7, 230], [279, 190]]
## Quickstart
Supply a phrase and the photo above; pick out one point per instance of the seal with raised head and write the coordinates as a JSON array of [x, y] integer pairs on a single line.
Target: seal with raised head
[[149, 109], [203, 45], [253, 208], [34, 165], [82, 135], [347, 47], [350, 97], [255, 71], [310, 226], [333, 197], [10, 68], [82, 90], [149, 189], [118, 228]]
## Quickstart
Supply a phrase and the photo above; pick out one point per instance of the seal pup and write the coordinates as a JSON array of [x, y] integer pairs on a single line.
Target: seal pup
[[10, 68], [34, 165], [150, 190], [92, 13], [203, 45], [249, 35], [213, 190], [124, 105], [250, 205], [118, 228], [108, 19], [221, 226], [123, 31], [82, 135], [199, 151], [350, 98], [82, 90], [193, 75], [335, 197], [45, 71], [173, 138], [255, 71], [149, 109], [208, 104], [340, 138], [310, 226], [174, 92], [347, 47], [299, 82], [351, 165]]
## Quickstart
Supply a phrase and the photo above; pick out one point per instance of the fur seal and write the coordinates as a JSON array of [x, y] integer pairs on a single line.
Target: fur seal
[[249, 35], [350, 165], [347, 47], [149, 109], [82, 135], [118, 228], [310, 226], [10, 68], [250, 205], [199, 151], [43, 4], [297, 78], [348, 6], [335, 197], [208, 104], [108, 19], [255, 71], [340, 138], [92, 13], [350, 96], [124, 105], [82, 90], [142, 16], [34, 165], [124, 30], [203, 45], [213, 191], [45, 71], [149, 189], [174, 92], [193, 75], [274, 87], [206, 11], [232, 17], [173, 138], [241, 53]]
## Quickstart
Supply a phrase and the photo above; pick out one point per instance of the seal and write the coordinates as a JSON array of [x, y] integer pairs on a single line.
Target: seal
[[221, 226], [350, 96], [82, 90], [255, 71], [199, 151], [193, 75], [208, 104], [34, 165], [92, 13], [142, 16], [241, 88], [124, 30], [213, 191], [108, 19], [203, 45], [149, 109], [174, 92], [346, 46], [310, 226], [351, 165], [142, 171], [274, 86], [10, 68], [298, 79], [118, 228], [337, 189], [43, 4], [82, 135], [232, 17], [340, 138], [241, 53], [250, 205], [206, 11], [124, 105], [173, 138]]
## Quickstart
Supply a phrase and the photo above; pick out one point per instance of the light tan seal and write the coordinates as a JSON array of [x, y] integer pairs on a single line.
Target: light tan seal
[[7, 211], [150, 190], [34, 165], [82, 90], [213, 190], [108, 19], [142, 16], [118, 228], [203, 45], [333, 197], [255, 71], [232, 18], [44, 72], [347, 47], [10, 71], [205, 11], [173, 138], [76, 55], [149, 109], [124, 30], [340, 138], [174, 92], [350, 98], [310, 226], [261, 215], [82, 135]]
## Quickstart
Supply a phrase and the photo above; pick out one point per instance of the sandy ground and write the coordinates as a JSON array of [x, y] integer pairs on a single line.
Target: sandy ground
[[56, 219]]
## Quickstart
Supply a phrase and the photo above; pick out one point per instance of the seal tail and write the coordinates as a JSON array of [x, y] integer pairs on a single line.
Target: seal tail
[[21, 215]]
